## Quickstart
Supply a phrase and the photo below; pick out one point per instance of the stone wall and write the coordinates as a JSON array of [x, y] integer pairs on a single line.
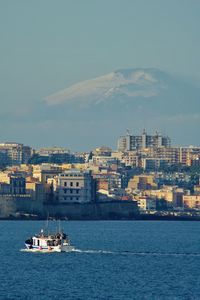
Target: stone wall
[[15, 206], [94, 211], [20, 204]]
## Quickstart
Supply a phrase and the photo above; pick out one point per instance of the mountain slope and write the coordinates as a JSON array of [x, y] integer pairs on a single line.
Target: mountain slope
[[126, 83], [103, 107]]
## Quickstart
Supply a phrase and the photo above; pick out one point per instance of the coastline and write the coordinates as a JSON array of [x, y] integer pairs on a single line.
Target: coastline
[[142, 217]]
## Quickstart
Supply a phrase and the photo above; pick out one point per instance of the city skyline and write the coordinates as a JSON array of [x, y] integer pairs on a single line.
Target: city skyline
[[128, 141]]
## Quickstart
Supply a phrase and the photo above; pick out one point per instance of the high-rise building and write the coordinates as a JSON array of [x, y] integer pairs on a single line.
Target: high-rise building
[[136, 142], [14, 153]]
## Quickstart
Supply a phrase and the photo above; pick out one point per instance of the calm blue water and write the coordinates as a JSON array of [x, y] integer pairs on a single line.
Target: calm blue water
[[114, 260]]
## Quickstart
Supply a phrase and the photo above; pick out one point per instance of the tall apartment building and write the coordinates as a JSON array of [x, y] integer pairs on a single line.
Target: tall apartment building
[[74, 186], [14, 153], [136, 142], [177, 155]]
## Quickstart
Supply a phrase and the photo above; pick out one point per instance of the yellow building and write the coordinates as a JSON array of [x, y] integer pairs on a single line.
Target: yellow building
[[44, 171], [5, 177], [197, 189], [192, 201], [142, 182], [165, 193], [78, 166]]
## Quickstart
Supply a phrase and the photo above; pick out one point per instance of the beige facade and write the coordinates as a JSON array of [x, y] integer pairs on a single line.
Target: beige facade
[[145, 203], [35, 190], [142, 182], [169, 194], [45, 171], [192, 201], [197, 189], [74, 186]]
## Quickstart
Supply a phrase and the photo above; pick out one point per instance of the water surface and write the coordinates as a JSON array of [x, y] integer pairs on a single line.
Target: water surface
[[113, 260]]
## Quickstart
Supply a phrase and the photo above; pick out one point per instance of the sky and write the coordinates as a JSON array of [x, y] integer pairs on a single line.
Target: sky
[[48, 45]]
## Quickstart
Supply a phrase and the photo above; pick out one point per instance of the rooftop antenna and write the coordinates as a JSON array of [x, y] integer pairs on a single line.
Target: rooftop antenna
[[127, 131]]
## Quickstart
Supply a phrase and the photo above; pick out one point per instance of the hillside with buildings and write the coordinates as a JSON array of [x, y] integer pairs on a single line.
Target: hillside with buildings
[[144, 176]]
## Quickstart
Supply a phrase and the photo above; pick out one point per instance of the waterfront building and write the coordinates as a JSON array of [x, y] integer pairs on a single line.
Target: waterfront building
[[74, 186], [35, 189], [191, 201], [145, 203], [44, 171], [12, 184]]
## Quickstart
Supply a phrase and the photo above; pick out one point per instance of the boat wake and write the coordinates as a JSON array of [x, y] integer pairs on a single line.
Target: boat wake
[[124, 253], [146, 253]]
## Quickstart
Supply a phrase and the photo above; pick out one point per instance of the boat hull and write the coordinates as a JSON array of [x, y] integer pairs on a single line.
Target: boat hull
[[60, 248]]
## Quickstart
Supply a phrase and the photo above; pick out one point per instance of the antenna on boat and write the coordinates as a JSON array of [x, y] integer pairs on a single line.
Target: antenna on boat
[[47, 223], [59, 228]]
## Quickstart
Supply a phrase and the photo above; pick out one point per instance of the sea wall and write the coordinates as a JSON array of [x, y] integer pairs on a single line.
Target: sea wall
[[16, 206], [20, 204], [94, 211]]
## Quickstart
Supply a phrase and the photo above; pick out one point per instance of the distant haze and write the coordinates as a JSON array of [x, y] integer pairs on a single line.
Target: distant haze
[[102, 108], [97, 111], [79, 73]]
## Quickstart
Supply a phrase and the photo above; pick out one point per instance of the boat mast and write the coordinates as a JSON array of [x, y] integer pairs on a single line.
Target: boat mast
[[59, 228]]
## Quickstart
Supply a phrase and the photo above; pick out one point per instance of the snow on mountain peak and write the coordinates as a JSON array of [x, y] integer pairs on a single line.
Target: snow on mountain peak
[[129, 83]]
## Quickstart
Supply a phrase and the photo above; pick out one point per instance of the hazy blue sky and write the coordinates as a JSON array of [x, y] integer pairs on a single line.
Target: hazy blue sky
[[47, 45]]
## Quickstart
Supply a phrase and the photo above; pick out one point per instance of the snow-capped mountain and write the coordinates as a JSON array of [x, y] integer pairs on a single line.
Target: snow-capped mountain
[[130, 83], [101, 109]]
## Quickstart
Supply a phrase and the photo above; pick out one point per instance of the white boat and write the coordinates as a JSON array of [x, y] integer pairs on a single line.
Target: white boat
[[49, 242]]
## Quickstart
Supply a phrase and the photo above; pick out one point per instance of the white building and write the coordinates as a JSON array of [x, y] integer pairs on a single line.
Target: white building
[[53, 150], [146, 204], [131, 142], [74, 186]]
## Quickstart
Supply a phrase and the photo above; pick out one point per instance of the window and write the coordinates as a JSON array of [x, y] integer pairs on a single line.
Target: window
[[71, 198], [71, 183], [77, 183], [71, 191], [65, 183], [77, 191], [65, 191], [77, 198]]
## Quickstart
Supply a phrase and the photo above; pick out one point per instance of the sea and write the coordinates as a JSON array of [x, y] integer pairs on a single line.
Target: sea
[[117, 260]]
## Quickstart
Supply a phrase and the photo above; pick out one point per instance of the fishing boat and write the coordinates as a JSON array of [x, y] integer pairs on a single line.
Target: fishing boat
[[49, 242]]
